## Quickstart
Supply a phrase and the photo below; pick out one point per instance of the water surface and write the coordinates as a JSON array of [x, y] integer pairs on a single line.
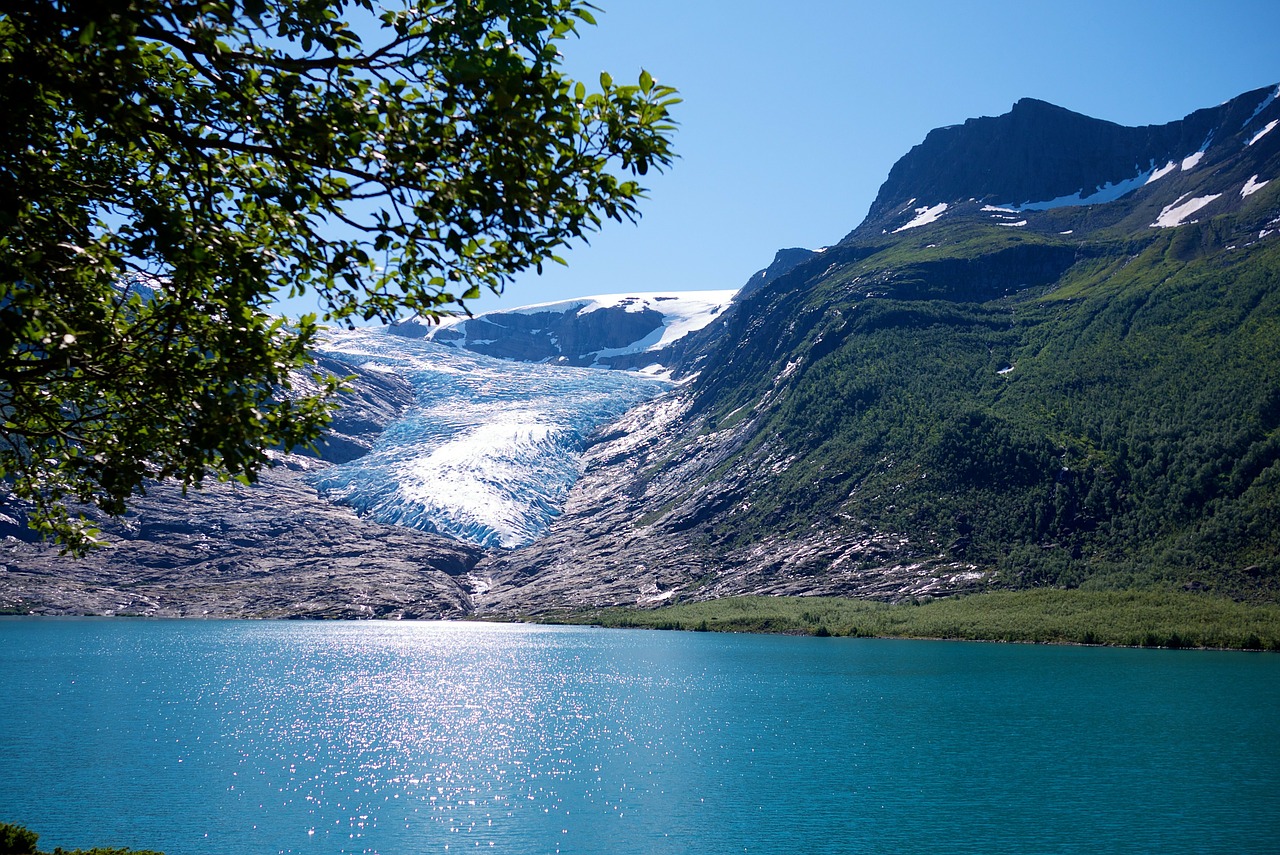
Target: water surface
[[213, 738]]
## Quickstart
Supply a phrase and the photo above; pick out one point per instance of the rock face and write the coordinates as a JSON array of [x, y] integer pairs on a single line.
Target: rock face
[[1040, 156], [376, 399], [646, 525], [1047, 357], [621, 331], [269, 551], [272, 550], [784, 261]]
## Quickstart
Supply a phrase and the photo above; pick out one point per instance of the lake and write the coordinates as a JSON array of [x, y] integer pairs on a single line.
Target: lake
[[214, 738]]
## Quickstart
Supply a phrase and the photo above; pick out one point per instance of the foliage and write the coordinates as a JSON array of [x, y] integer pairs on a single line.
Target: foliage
[[16, 840], [103, 850], [1115, 422], [171, 168], [1133, 618]]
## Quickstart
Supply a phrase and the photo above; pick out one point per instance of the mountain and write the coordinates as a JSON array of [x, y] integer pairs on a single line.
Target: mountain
[[436, 454], [624, 331], [272, 550], [1048, 356], [1040, 157]]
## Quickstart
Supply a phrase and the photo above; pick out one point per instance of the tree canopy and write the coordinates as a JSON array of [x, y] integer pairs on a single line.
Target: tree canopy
[[169, 168]]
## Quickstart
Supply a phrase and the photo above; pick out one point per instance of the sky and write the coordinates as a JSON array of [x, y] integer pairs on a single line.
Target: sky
[[794, 112]]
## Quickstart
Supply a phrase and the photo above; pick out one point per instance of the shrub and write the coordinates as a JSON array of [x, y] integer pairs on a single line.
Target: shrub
[[16, 840]]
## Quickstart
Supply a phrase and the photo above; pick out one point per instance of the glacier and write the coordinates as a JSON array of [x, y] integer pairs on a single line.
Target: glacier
[[488, 451]]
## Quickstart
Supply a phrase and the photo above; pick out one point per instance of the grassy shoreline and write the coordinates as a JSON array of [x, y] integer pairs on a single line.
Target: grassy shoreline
[[1128, 618]]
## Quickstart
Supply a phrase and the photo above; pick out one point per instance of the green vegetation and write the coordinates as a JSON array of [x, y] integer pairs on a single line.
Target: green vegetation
[[1102, 415], [171, 169], [1145, 618], [16, 840]]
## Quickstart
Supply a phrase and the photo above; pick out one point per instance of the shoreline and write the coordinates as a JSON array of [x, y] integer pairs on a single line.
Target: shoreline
[[1132, 618]]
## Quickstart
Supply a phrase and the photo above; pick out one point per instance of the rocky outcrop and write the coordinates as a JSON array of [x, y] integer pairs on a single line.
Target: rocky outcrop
[[275, 549], [648, 524], [269, 551], [373, 400], [622, 331], [784, 261], [1039, 155], [571, 338]]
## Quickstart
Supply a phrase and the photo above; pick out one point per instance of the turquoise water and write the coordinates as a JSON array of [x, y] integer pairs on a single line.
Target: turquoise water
[[246, 738]]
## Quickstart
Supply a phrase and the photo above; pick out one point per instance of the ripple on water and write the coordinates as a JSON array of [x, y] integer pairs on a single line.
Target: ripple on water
[[397, 738]]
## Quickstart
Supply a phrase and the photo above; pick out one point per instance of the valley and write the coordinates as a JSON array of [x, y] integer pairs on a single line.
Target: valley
[[1047, 359]]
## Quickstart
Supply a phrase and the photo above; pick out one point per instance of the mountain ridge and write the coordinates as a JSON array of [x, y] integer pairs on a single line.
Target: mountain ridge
[[1040, 156], [638, 331], [958, 398], [965, 392]]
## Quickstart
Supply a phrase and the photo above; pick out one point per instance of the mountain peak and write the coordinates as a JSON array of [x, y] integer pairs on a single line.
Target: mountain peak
[[626, 331], [1040, 155]]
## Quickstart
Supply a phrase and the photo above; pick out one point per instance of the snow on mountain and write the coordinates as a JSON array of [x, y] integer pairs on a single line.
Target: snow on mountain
[[1268, 128], [490, 448], [1110, 192], [1261, 108], [1253, 185], [923, 216], [1177, 213], [1040, 157], [627, 331]]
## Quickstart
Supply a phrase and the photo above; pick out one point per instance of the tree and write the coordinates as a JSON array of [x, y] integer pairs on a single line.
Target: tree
[[170, 167]]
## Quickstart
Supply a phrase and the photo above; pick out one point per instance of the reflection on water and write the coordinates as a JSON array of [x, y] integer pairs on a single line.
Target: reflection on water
[[225, 737]]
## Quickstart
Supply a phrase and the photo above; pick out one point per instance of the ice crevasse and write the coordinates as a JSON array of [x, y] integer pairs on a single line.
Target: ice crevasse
[[490, 448]]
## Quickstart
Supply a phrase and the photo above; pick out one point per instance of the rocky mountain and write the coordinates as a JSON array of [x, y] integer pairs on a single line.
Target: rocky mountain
[[276, 549], [640, 332], [437, 453], [1048, 356], [1039, 157]]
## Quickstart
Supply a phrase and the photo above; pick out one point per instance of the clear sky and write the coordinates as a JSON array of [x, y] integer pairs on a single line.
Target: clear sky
[[794, 111]]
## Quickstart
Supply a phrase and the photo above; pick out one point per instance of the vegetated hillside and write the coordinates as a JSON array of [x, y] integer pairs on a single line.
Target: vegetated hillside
[[963, 394]]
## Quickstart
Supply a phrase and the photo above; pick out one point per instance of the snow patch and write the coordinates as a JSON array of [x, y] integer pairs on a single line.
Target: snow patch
[[1107, 193], [1162, 171], [790, 369], [1177, 213], [683, 312], [1015, 225], [924, 216], [1253, 185], [1271, 126], [1110, 192], [1266, 102], [998, 210]]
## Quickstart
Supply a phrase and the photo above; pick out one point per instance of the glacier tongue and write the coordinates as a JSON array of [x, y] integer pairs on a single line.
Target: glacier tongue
[[489, 451]]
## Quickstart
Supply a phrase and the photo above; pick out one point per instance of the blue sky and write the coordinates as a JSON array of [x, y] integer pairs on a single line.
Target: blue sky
[[794, 112]]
